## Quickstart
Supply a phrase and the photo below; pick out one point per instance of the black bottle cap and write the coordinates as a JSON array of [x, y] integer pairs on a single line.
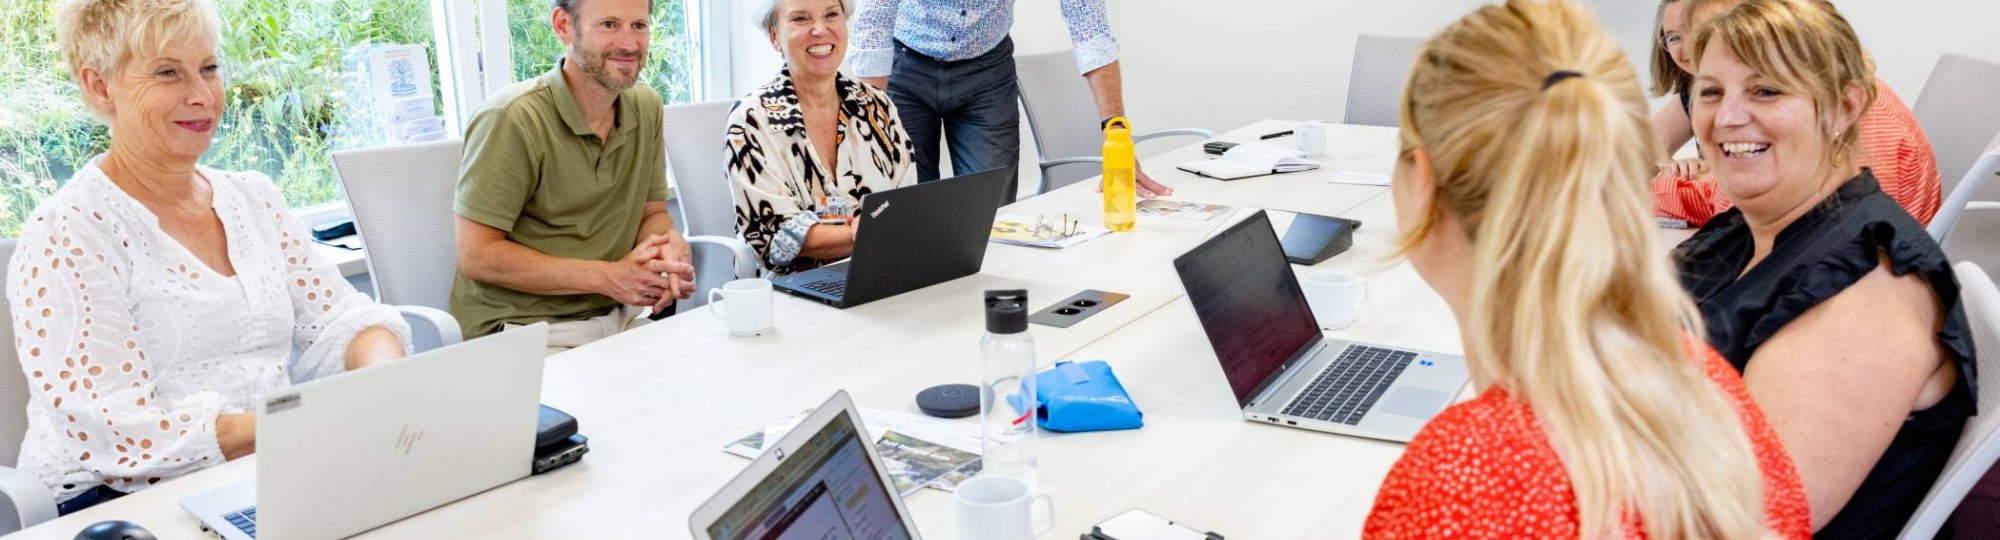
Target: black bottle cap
[[1007, 311]]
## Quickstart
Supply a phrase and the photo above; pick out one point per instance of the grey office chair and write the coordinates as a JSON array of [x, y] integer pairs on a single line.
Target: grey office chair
[[1960, 113], [1375, 82], [1959, 199], [24, 501], [1062, 114], [1979, 446], [401, 197], [697, 157]]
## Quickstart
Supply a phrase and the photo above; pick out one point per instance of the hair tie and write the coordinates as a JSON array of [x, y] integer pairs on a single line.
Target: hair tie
[[1557, 77]]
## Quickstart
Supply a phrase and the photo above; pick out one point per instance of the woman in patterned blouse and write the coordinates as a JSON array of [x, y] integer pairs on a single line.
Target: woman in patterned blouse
[[155, 300], [1520, 193], [811, 143]]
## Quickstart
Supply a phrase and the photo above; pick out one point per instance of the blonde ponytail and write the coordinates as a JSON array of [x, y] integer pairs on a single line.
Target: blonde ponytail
[[1574, 309]]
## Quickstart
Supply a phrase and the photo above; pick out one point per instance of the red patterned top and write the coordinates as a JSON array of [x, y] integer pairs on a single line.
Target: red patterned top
[[1892, 144], [1484, 469]]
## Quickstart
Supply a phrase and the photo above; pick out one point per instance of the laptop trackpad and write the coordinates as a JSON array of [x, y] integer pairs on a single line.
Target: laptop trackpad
[[1412, 402]]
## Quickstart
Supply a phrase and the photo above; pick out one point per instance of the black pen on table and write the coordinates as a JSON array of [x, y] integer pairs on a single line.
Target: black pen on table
[[1275, 135]]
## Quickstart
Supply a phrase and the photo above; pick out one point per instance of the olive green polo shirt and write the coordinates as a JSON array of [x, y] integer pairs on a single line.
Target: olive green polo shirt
[[534, 168]]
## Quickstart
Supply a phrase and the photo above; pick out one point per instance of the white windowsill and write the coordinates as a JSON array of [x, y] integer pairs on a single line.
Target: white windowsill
[[352, 262]]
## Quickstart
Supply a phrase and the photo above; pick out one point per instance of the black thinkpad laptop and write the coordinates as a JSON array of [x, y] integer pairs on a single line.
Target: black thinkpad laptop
[[910, 238]]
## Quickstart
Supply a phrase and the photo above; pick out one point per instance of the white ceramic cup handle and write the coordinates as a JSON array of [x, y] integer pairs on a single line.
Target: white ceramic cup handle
[[1360, 292], [715, 309], [1048, 504]]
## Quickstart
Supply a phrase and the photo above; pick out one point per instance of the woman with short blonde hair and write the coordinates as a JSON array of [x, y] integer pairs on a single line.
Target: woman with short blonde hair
[[1520, 191], [1839, 309], [1888, 139], [154, 300]]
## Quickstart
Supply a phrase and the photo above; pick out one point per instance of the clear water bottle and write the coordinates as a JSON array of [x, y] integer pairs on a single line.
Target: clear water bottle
[[1007, 396]]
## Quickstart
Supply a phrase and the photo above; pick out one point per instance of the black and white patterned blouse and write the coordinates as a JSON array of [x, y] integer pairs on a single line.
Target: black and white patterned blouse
[[780, 180]]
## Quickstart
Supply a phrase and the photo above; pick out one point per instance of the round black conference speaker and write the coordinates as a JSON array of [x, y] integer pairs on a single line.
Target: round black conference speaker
[[949, 400], [115, 530]]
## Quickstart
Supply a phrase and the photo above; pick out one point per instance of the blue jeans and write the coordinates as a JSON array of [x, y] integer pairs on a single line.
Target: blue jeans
[[91, 497], [976, 102]]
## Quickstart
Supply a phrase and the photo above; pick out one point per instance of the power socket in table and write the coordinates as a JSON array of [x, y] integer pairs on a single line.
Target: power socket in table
[[1076, 308]]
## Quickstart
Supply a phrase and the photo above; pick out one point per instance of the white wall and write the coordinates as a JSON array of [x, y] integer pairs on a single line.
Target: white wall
[[752, 61], [1908, 37], [1221, 65]]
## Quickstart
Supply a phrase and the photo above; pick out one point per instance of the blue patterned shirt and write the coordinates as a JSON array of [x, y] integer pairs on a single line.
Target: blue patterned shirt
[[953, 30]]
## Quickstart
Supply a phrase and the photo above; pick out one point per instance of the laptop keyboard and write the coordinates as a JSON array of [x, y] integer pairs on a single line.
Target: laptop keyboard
[[1344, 392], [831, 287], [244, 520]]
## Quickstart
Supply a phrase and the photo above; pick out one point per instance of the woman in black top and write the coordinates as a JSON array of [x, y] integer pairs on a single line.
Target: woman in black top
[[1842, 313]]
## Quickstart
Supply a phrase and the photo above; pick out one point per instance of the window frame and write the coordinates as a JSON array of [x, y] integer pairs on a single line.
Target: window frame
[[474, 59]]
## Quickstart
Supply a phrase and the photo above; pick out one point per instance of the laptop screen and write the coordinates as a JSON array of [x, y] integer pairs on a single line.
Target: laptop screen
[[828, 488], [1249, 302]]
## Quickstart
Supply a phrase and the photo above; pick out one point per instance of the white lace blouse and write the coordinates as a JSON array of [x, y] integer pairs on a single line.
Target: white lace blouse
[[132, 346]]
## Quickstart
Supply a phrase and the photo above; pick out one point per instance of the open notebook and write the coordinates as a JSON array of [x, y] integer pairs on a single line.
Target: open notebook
[[1247, 160]]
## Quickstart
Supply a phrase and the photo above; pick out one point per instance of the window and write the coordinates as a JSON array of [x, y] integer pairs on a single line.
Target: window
[[287, 100], [290, 99], [669, 63]]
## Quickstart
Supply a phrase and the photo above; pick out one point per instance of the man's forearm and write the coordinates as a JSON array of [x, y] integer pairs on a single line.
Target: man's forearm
[[521, 268], [655, 223], [1107, 85]]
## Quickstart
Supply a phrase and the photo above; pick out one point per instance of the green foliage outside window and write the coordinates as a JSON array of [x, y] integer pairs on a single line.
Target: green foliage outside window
[[286, 92], [669, 62]]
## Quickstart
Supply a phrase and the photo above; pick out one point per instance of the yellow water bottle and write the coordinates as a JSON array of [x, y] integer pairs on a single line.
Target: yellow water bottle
[[1121, 205]]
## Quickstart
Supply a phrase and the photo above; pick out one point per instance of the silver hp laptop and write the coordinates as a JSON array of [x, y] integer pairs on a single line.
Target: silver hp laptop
[[346, 454], [822, 480], [1282, 368]]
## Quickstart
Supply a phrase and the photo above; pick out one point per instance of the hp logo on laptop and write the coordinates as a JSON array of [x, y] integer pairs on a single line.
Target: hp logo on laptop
[[406, 440], [780, 452]]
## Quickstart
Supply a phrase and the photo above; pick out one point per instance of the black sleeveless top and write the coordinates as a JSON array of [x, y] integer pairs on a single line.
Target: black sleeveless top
[[1814, 258]]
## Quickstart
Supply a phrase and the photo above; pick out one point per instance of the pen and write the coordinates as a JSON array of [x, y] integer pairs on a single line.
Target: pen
[[1275, 135]]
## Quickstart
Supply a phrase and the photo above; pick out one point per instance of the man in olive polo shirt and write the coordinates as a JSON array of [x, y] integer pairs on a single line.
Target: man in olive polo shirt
[[561, 204]]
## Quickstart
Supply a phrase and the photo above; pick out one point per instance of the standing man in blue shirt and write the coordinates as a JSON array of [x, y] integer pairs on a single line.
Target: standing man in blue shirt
[[950, 63]]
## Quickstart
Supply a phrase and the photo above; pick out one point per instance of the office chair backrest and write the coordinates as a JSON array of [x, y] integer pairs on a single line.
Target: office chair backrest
[[402, 198], [13, 382], [1979, 446], [1062, 114], [1375, 82], [1960, 113], [697, 158], [13, 391]]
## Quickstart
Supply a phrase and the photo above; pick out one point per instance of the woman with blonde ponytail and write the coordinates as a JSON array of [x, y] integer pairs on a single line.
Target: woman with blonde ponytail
[[1522, 196]]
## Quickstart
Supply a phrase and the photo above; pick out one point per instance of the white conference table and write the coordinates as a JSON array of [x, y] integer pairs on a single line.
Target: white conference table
[[659, 402]]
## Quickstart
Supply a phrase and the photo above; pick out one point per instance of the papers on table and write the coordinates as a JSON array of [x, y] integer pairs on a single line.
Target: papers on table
[[1165, 207], [919, 451], [1250, 159], [1042, 231], [1360, 178]]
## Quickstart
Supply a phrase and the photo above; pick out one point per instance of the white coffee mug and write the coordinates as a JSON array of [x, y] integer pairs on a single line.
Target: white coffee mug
[[1311, 138], [1001, 508], [1334, 297], [745, 306]]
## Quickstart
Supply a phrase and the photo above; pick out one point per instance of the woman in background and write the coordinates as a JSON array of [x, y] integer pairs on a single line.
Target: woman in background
[[1520, 191]]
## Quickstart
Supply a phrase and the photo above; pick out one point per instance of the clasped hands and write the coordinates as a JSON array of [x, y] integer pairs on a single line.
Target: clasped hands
[[655, 273]]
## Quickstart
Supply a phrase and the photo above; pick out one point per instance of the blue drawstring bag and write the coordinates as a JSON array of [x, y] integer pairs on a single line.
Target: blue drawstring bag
[[1084, 397]]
